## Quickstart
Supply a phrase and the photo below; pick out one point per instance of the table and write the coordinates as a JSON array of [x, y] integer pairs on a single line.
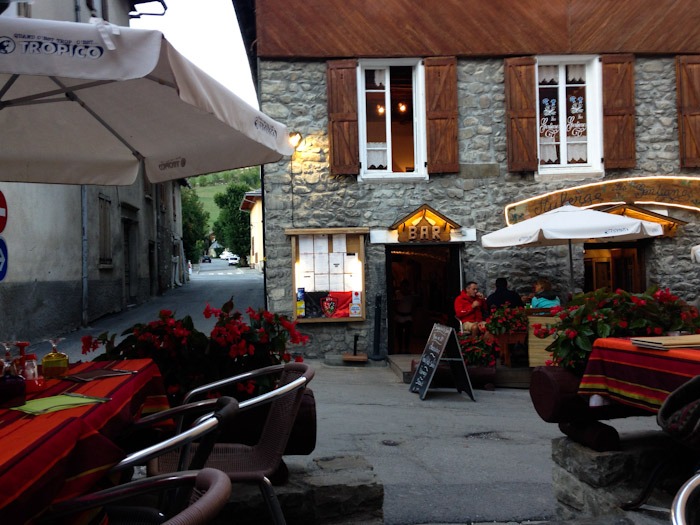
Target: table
[[56, 456], [635, 376]]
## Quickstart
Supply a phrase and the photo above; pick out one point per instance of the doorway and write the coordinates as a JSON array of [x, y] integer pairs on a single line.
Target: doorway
[[422, 283], [615, 265]]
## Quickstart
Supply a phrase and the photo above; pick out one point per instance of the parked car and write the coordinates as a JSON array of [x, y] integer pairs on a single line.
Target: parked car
[[225, 255], [234, 260], [206, 259]]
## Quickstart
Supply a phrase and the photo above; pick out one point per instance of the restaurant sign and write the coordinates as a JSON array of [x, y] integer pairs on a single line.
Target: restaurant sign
[[424, 225], [666, 191]]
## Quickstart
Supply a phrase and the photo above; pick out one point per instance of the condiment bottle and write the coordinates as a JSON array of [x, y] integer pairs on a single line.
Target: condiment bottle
[[22, 345], [55, 363], [34, 382]]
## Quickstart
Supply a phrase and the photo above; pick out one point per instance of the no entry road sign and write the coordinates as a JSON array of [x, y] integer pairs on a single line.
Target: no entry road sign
[[3, 212]]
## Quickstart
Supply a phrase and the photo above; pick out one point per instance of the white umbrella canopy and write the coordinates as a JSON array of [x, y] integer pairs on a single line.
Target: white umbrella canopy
[[90, 103], [569, 224]]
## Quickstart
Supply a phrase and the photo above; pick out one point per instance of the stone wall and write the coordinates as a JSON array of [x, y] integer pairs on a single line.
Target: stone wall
[[587, 483], [302, 194]]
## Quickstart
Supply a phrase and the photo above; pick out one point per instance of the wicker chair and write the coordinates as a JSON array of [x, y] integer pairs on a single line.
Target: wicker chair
[[256, 463], [210, 491]]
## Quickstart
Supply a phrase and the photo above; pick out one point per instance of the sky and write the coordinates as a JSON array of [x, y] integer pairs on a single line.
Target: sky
[[206, 32]]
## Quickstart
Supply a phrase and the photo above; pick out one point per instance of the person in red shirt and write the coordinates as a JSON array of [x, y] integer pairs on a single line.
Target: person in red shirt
[[471, 309]]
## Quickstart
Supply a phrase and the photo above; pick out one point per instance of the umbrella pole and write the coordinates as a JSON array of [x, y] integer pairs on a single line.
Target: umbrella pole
[[571, 269]]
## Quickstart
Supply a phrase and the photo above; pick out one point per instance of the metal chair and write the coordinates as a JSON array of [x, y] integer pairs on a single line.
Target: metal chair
[[256, 463], [213, 415], [210, 491]]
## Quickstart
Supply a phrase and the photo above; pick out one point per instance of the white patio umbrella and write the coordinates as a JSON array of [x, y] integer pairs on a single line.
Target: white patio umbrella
[[90, 103], [570, 224]]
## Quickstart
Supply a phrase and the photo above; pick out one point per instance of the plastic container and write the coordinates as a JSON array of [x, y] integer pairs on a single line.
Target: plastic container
[[54, 364]]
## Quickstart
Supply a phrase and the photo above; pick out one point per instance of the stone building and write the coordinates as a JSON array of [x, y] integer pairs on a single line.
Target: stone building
[[426, 125]]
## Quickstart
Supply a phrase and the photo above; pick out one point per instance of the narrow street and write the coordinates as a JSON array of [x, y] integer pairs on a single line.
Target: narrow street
[[210, 283]]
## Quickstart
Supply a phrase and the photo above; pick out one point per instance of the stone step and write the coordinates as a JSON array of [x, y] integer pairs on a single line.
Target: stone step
[[333, 490]]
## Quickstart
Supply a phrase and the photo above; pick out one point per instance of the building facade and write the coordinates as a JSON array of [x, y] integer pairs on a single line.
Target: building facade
[[252, 203], [426, 126], [77, 253]]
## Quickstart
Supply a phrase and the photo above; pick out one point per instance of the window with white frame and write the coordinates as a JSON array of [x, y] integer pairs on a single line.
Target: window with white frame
[[391, 119], [569, 115]]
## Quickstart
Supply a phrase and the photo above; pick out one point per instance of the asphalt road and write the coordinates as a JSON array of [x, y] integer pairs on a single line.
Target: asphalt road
[[446, 459], [213, 283]]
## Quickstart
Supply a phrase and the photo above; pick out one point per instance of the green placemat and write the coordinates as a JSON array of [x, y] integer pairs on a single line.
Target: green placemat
[[44, 405]]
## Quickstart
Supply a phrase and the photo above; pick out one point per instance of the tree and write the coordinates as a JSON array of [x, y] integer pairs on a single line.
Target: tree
[[233, 225], [194, 224]]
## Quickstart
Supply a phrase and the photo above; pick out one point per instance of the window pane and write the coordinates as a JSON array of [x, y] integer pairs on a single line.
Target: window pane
[[375, 79], [376, 115], [402, 149], [549, 125], [576, 128]]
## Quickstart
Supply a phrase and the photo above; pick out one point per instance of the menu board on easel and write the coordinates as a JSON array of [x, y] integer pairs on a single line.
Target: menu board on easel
[[442, 346]]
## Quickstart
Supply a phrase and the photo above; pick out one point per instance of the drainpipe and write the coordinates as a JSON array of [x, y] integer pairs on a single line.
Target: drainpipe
[[83, 227], [84, 221]]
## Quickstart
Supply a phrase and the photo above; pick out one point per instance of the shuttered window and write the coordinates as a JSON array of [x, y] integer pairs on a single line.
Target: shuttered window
[[688, 99], [441, 114], [521, 113], [342, 117], [618, 111], [554, 116], [393, 119]]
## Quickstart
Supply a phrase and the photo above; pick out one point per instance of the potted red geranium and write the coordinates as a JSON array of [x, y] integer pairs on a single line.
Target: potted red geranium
[[188, 358]]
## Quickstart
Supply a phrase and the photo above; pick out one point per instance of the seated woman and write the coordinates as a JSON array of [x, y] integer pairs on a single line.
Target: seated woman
[[544, 297]]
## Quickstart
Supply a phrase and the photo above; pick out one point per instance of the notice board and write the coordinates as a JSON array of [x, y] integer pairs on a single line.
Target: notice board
[[442, 347]]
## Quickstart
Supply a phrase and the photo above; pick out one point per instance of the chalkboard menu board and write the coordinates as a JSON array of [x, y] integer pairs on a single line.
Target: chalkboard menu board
[[442, 346]]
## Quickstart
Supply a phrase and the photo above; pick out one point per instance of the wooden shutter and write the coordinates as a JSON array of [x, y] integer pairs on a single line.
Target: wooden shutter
[[521, 113], [441, 114], [688, 99], [618, 111], [341, 78]]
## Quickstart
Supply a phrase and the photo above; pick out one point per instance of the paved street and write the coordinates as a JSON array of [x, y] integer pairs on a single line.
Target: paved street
[[446, 459], [213, 283]]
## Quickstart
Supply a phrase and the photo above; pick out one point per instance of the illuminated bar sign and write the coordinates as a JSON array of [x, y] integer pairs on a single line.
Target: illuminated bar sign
[[424, 225]]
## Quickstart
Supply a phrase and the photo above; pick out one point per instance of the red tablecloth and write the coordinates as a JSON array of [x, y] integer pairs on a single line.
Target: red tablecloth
[[55, 456], [635, 376]]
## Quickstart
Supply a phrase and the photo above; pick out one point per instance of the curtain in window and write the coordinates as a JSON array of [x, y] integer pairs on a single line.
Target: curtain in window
[[576, 73], [548, 74]]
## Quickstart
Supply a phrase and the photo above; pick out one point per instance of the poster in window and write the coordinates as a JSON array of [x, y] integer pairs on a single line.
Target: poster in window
[[330, 276]]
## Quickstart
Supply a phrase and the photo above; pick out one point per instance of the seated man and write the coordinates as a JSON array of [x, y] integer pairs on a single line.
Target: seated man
[[470, 308], [503, 295]]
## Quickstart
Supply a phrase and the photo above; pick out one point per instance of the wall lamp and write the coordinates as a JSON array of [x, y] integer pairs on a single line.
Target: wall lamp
[[295, 139]]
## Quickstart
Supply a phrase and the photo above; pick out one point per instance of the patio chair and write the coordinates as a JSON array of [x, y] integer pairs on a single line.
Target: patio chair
[[212, 416], [256, 463], [210, 491]]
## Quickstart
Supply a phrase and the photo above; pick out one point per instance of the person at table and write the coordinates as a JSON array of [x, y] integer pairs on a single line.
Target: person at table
[[471, 309], [544, 296], [503, 295]]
